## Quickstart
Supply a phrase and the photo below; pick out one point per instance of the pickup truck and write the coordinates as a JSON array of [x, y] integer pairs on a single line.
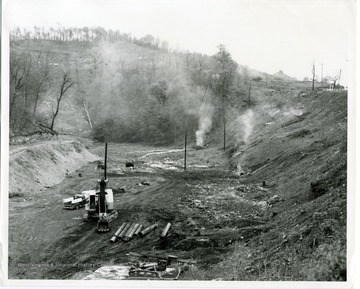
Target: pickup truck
[[75, 202]]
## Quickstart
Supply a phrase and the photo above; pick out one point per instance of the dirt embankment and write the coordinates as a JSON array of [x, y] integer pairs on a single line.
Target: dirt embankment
[[44, 164], [302, 158]]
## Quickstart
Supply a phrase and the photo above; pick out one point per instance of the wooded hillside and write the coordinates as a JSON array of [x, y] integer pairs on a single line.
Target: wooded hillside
[[115, 87]]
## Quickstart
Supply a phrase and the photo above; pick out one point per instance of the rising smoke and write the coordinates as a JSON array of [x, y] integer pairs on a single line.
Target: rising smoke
[[247, 122], [241, 129], [242, 126], [205, 122]]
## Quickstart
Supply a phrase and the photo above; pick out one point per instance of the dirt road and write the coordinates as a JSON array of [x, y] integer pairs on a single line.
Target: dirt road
[[48, 242]]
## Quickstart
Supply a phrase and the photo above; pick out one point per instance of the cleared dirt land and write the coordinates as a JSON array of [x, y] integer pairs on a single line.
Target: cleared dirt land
[[235, 226], [48, 242]]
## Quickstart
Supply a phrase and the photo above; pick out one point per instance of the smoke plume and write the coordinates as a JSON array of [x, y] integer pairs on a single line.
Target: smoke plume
[[205, 122], [247, 121], [242, 129]]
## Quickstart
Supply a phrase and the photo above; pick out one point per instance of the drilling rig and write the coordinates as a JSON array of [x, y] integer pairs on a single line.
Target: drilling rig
[[100, 203]]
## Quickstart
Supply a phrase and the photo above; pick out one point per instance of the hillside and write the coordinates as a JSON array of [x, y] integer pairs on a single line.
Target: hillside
[[300, 157], [118, 86], [272, 208], [44, 164], [264, 193], [81, 59]]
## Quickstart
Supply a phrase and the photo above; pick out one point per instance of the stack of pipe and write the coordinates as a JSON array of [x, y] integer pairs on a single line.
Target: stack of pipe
[[118, 232], [121, 235], [128, 230], [138, 230], [124, 236], [130, 233], [165, 231], [147, 230]]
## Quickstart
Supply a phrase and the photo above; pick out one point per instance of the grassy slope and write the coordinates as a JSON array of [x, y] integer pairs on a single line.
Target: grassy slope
[[310, 225], [303, 160]]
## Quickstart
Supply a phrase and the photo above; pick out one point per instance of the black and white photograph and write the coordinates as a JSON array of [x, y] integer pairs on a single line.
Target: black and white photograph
[[162, 142]]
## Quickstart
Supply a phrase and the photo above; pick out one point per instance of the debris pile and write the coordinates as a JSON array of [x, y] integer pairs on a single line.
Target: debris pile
[[228, 204], [114, 272], [149, 266]]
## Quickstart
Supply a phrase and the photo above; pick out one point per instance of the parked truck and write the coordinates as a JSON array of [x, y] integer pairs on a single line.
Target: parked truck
[[75, 202]]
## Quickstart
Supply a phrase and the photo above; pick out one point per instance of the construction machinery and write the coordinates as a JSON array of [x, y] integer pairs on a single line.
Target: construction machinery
[[75, 202], [100, 203]]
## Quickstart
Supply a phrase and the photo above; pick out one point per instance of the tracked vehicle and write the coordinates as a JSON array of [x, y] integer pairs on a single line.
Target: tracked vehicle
[[100, 204]]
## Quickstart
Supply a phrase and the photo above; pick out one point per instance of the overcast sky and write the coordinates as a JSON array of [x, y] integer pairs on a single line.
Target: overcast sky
[[265, 35]]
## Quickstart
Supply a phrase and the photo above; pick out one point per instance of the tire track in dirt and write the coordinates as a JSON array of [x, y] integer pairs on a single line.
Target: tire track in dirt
[[58, 236], [80, 242]]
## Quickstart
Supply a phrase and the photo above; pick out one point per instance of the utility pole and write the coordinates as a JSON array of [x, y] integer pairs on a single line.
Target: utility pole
[[339, 78], [249, 90], [105, 161], [224, 132], [185, 150], [322, 64], [224, 119], [313, 78]]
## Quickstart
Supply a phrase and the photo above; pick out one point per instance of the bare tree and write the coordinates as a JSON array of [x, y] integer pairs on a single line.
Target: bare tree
[[165, 46], [246, 75], [339, 77], [335, 79], [84, 97], [187, 59], [200, 68], [20, 89], [96, 60], [154, 62], [225, 68], [249, 90], [20, 83], [16, 85], [65, 85], [27, 81], [41, 75]]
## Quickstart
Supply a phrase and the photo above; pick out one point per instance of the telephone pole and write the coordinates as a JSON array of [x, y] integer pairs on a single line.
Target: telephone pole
[[322, 64], [224, 120], [339, 78], [313, 78], [249, 91], [185, 149]]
